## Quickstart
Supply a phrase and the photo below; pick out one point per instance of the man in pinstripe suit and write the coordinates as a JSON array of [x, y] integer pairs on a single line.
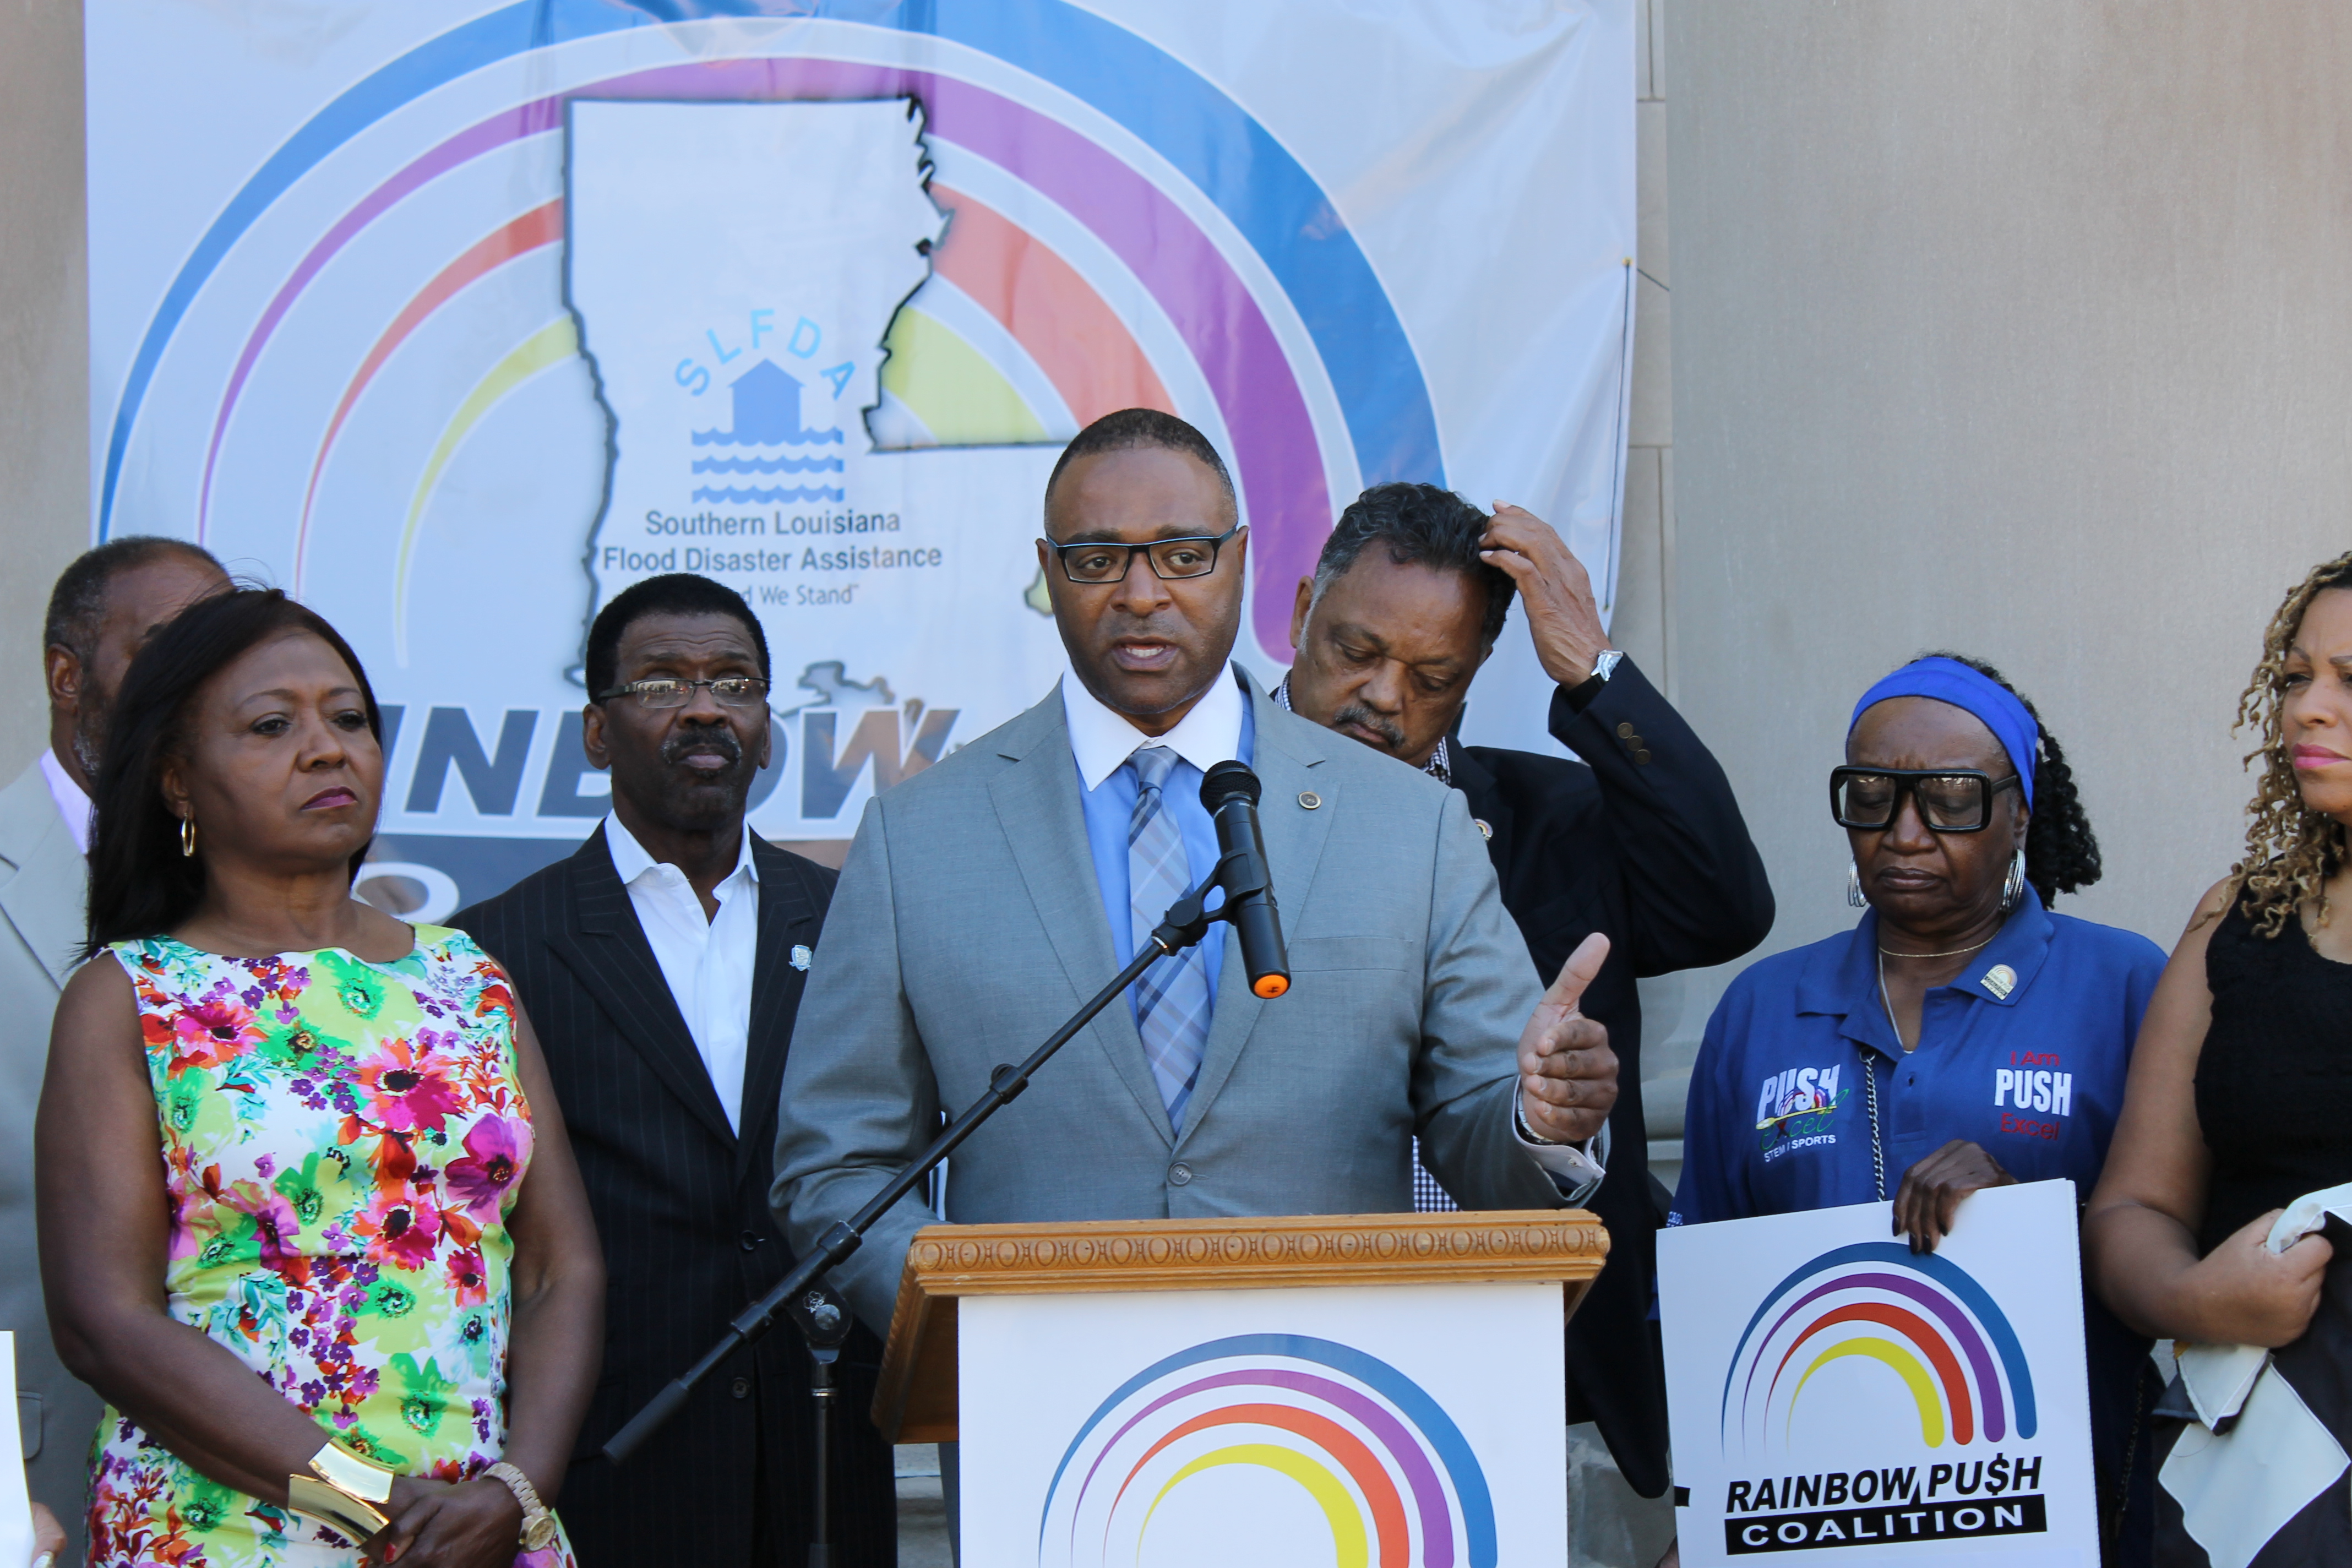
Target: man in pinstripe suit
[[662, 965]]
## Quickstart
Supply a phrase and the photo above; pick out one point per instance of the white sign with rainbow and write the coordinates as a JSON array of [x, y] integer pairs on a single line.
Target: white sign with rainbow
[[1379, 1426], [1834, 1393]]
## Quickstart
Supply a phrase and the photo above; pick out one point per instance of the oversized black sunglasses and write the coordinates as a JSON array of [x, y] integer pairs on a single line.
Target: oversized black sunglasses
[[1951, 800]]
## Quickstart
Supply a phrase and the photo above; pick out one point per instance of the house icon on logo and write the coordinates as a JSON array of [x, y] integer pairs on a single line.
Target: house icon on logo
[[767, 413]]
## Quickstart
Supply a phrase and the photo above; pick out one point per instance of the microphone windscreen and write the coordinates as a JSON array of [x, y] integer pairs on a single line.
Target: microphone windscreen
[[1227, 779]]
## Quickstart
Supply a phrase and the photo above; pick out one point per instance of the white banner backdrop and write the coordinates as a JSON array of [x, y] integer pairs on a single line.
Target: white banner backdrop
[[1838, 1399], [454, 318]]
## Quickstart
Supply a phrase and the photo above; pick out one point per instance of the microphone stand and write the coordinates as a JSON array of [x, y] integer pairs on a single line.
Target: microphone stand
[[1185, 924]]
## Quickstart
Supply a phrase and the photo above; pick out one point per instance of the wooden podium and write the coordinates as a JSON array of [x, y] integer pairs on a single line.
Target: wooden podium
[[1404, 1376]]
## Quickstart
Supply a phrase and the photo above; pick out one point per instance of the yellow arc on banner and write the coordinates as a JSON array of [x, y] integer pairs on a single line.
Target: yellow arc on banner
[[1338, 1505], [550, 345], [1906, 1366]]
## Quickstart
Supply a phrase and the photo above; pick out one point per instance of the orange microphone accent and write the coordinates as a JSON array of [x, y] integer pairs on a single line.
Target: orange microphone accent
[[1271, 985]]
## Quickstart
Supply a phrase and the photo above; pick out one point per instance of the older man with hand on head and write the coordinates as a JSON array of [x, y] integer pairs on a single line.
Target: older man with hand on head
[[986, 898], [102, 610], [1641, 840]]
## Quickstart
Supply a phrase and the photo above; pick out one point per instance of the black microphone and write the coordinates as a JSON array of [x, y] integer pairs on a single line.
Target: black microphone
[[1230, 791]]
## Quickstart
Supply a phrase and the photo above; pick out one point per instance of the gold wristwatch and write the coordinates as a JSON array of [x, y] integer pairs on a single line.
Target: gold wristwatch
[[344, 1490], [537, 1532]]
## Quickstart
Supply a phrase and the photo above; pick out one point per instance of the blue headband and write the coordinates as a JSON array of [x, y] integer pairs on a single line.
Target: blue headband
[[1948, 680]]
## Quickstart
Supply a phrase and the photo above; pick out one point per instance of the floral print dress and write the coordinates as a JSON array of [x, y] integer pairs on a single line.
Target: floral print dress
[[342, 1141]]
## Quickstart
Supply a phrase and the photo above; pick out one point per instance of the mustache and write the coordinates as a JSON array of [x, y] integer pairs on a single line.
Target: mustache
[[1356, 713], [703, 738]]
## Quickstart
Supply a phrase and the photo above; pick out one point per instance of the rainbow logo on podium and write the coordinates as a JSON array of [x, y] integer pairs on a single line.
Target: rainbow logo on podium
[[1923, 1318], [1391, 1472]]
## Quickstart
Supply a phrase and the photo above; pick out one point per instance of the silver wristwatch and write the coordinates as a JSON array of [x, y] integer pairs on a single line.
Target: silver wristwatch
[[1606, 662]]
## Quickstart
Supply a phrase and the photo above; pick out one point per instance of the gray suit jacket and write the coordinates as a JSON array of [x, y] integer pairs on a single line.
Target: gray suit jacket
[[43, 883], [967, 926]]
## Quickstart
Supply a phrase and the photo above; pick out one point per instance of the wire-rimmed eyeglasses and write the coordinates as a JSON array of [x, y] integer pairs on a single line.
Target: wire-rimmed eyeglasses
[[1951, 800], [668, 691], [1097, 561]]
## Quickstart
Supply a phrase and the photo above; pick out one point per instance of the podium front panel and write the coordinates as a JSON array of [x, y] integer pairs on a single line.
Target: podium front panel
[[1234, 1429]]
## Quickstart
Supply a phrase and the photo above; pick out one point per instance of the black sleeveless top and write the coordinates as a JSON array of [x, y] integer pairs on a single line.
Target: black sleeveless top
[[2274, 1079]]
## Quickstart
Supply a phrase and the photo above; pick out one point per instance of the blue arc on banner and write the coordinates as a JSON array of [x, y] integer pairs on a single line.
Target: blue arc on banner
[[1234, 161]]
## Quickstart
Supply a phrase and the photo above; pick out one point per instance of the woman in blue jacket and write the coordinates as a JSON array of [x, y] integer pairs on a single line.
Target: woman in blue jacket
[[1962, 1035]]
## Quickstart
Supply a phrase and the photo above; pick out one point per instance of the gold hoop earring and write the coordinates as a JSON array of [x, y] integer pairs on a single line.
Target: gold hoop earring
[[188, 836]]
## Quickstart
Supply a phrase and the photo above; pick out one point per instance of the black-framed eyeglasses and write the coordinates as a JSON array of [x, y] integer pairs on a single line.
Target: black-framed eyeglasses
[[1172, 560], [667, 691], [1951, 800]]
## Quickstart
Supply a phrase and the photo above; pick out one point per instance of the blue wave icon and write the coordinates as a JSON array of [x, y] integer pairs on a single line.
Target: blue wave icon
[[767, 493], [767, 465]]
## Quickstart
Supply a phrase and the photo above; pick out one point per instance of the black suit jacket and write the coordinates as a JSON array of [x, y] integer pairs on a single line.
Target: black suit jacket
[[1647, 846], [681, 1206]]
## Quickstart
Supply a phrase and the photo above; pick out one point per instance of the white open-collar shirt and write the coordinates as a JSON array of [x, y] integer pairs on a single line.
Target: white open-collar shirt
[[708, 962]]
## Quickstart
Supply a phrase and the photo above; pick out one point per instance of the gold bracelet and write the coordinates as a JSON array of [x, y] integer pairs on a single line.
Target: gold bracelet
[[343, 1489], [538, 1531]]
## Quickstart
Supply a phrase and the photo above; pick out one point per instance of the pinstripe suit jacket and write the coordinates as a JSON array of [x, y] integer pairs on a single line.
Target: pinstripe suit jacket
[[968, 925], [682, 1208]]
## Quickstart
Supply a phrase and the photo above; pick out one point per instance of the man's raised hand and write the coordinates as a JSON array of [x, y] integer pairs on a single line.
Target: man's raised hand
[[1568, 1074], [1562, 616]]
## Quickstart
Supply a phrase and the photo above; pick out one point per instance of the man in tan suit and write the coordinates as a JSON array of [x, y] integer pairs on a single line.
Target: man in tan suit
[[101, 612]]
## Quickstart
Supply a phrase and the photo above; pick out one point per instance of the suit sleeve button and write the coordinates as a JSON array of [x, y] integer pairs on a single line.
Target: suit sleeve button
[[741, 1388], [1625, 730], [1642, 756], [1179, 1174]]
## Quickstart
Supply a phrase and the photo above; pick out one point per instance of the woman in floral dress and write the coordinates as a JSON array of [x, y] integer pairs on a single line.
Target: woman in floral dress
[[302, 1181]]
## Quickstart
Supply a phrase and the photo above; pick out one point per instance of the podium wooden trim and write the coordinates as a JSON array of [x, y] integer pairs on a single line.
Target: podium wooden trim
[[916, 1401]]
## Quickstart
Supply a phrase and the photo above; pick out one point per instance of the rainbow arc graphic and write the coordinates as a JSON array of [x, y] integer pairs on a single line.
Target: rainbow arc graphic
[[1396, 1482], [1015, 339], [1938, 1334]]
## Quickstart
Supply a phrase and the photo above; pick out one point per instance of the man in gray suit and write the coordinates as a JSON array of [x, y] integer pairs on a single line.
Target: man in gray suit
[[101, 612], [987, 897]]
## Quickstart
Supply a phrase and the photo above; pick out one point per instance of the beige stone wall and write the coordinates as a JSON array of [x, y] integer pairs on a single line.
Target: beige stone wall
[[2016, 328], [43, 347]]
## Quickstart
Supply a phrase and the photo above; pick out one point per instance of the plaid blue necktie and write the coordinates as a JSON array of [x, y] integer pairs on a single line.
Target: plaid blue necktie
[[1171, 1000]]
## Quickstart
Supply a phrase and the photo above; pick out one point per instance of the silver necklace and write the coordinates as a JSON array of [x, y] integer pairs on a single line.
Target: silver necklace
[[1870, 1085], [1888, 1002], [1877, 1149]]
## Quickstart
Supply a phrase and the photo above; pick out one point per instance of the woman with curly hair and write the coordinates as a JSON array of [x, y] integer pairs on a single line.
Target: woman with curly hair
[[2240, 1093], [1963, 1035]]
